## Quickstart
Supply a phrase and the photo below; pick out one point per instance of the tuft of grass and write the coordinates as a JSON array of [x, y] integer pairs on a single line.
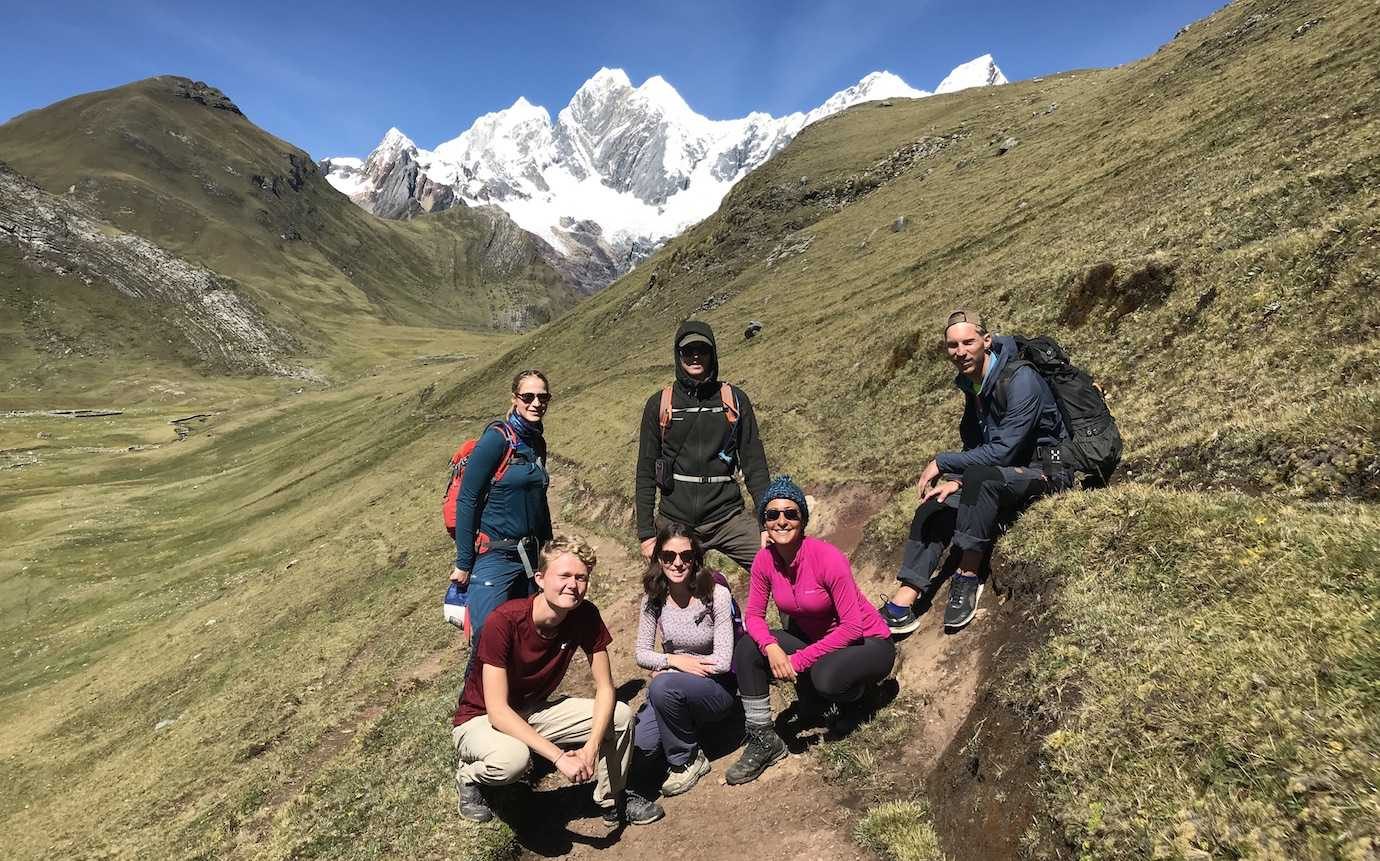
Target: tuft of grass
[[899, 831], [1214, 676]]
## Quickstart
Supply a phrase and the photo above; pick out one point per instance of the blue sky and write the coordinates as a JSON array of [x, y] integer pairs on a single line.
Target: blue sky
[[332, 77]]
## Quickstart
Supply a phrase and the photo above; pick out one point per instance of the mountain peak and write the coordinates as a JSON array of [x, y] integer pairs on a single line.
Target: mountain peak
[[977, 72], [607, 78], [394, 139], [658, 91]]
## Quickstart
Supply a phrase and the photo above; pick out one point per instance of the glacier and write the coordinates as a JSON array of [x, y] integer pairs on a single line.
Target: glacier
[[620, 170]]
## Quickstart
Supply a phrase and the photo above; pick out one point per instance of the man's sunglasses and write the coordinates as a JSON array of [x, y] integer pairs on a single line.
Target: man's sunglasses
[[695, 350], [539, 397], [771, 514], [669, 557]]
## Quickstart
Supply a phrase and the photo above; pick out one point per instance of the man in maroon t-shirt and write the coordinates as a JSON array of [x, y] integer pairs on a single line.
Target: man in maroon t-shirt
[[506, 711]]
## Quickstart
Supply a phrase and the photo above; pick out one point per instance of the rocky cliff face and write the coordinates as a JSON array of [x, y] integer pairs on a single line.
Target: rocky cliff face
[[222, 324], [621, 170]]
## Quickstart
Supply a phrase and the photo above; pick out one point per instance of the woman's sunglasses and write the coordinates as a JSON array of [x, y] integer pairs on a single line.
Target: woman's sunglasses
[[669, 557], [539, 397], [772, 514]]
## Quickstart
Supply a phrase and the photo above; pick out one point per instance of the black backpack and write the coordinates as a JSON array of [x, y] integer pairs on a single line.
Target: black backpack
[[1093, 444]]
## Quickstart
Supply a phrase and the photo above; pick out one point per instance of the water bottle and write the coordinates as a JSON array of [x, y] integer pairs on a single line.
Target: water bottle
[[455, 605]]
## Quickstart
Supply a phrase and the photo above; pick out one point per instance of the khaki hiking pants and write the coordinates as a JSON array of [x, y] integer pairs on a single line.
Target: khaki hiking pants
[[493, 758]]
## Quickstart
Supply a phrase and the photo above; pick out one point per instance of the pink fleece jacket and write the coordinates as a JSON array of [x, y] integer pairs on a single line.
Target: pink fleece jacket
[[820, 595]]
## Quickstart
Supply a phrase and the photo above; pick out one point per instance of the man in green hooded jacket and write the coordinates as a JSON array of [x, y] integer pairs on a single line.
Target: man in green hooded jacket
[[690, 453]]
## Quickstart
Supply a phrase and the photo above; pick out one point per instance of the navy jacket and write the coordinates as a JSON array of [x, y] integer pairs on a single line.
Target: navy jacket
[[992, 437], [513, 507]]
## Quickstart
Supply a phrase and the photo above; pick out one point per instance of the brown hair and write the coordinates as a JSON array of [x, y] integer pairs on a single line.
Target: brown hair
[[572, 544], [530, 372], [654, 581]]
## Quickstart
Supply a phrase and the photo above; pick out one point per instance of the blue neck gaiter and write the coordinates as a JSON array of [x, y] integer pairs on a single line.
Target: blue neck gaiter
[[526, 431]]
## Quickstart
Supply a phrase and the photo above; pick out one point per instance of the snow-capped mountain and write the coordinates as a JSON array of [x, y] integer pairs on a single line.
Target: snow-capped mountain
[[621, 169]]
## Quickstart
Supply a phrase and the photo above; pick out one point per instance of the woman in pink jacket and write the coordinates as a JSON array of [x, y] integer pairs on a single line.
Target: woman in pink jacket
[[836, 646]]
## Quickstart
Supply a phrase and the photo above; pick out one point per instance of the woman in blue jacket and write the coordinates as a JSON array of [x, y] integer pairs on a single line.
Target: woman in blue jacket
[[501, 525]]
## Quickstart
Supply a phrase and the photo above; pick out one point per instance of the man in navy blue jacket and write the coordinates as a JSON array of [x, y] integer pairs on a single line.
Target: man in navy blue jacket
[[1011, 430]]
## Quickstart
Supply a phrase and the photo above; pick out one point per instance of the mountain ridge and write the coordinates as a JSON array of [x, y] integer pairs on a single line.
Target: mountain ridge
[[619, 171]]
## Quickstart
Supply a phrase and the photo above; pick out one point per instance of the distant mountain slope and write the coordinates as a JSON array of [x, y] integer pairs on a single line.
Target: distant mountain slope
[[620, 170], [1200, 228], [57, 256], [175, 162]]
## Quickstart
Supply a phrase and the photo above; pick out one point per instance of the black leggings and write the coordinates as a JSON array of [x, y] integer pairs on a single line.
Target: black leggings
[[839, 676]]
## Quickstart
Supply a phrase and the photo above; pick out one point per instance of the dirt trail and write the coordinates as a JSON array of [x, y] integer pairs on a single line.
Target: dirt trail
[[791, 813]]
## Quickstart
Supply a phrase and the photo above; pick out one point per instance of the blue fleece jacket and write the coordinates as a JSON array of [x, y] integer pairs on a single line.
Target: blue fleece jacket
[[513, 507], [995, 438]]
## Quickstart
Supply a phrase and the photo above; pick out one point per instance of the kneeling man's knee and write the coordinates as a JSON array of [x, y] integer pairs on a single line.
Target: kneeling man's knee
[[622, 716]]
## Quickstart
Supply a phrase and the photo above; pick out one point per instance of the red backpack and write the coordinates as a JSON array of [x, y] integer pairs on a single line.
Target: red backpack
[[457, 470]]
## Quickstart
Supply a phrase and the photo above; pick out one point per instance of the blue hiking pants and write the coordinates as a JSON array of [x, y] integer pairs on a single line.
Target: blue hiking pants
[[678, 706]]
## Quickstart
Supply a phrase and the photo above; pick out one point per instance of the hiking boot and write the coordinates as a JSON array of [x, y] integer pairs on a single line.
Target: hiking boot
[[632, 809], [965, 590], [682, 778], [470, 802], [902, 622], [764, 747]]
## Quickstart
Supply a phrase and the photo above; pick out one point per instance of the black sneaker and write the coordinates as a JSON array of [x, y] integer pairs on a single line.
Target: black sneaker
[[632, 809], [764, 748], [470, 802], [965, 591], [902, 622]]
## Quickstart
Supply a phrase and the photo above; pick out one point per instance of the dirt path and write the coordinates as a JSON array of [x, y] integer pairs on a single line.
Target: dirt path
[[790, 813]]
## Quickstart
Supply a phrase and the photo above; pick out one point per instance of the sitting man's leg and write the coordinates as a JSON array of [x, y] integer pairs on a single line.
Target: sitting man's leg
[[931, 530], [568, 722], [990, 495], [487, 757]]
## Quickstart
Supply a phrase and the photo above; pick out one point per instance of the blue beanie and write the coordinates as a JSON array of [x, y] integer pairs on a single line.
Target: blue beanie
[[782, 487]]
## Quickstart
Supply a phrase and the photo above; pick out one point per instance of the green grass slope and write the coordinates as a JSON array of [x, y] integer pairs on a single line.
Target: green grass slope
[[174, 162], [212, 648]]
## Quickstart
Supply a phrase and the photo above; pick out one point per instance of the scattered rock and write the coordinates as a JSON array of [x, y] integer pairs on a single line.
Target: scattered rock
[[886, 103], [205, 94], [289, 565], [753, 327], [804, 180], [44, 435], [901, 223], [1306, 26], [1007, 145], [164, 724]]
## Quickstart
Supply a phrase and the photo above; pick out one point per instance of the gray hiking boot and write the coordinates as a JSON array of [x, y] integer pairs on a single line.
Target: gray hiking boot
[[632, 809], [965, 590], [470, 802], [764, 748], [682, 778]]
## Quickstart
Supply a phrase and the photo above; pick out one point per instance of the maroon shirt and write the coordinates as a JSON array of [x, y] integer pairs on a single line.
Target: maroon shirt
[[535, 664]]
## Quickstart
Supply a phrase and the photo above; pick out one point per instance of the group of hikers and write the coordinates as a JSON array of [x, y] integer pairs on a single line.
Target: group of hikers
[[525, 588]]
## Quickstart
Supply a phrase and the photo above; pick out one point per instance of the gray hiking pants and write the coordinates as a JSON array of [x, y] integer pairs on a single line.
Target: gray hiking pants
[[739, 536], [989, 501]]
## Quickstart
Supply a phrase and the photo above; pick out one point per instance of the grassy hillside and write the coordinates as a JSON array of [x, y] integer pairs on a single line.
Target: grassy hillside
[[229, 648], [174, 162]]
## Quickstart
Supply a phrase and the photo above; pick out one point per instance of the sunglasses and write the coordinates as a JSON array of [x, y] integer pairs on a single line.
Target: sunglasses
[[773, 514], [669, 557], [695, 350], [539, 397]]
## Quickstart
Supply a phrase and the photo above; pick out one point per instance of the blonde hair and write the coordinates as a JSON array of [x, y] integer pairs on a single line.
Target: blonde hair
[[572, 544]]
